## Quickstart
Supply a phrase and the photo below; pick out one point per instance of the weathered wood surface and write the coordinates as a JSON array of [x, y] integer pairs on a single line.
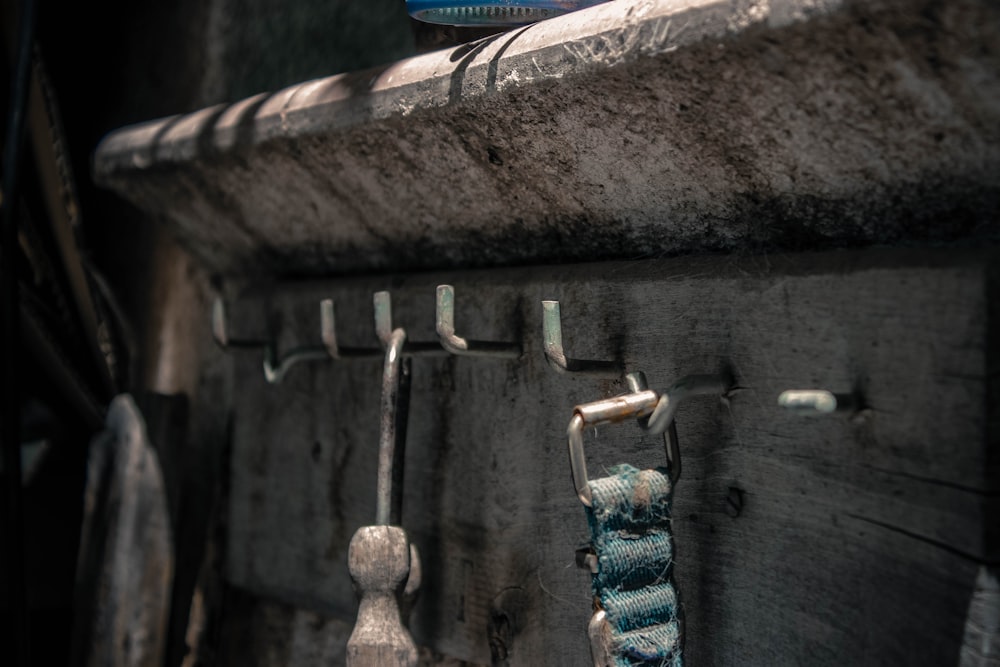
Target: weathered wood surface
[[259, 632], [634, 128], [857, 541]]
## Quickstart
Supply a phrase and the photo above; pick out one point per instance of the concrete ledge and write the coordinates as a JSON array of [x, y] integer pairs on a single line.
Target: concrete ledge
[[634, 128]]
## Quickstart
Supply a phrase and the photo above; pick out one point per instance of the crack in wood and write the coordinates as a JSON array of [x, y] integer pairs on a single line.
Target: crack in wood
[[937, 482], [923, 538]]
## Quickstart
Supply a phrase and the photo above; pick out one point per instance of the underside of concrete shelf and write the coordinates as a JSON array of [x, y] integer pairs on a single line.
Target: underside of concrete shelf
[[635, 128]]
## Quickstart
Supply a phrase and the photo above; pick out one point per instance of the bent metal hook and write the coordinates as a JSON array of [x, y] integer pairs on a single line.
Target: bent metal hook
[[276, 365], [445, 324], [556, 355]]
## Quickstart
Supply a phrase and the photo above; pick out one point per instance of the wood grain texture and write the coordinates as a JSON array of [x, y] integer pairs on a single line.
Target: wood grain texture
[[260, 632], [858, 541]]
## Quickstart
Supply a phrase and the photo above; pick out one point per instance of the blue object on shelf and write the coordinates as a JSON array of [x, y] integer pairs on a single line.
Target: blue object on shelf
[[496, 13]]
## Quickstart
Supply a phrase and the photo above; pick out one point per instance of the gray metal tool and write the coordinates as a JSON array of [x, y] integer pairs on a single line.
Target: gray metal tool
[[383, 564]]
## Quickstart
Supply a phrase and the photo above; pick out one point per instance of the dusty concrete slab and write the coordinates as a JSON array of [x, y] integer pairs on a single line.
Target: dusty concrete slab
[[635, 128]]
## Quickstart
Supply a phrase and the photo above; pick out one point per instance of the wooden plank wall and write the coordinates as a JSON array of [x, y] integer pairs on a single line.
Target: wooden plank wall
[[859, 540]]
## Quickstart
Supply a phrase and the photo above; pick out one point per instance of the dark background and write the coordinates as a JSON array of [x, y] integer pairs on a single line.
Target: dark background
[[111, 64]]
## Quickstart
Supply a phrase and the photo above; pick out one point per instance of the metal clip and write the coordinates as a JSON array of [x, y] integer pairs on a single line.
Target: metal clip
[[637, 405], [457, 345], [556, 355], [276, 366]]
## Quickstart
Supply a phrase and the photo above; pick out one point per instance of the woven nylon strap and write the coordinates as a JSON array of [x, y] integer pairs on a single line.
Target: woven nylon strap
[[630, 524]]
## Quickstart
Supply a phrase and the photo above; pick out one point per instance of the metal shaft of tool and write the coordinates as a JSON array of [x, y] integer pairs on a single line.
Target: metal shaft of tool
[[392, 438]]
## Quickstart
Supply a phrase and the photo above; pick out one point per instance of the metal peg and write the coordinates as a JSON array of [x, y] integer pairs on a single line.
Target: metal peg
[[555, 354], [276, 365], [820, 402], [808, 402], [457, 345], [328, 331], [220, 323], [382, 302]]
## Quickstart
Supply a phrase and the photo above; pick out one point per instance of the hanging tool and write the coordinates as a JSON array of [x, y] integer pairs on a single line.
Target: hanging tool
[[637, 615], [382, 562]]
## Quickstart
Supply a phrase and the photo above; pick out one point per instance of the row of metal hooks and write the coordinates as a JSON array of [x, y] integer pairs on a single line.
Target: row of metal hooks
[[277, 365]]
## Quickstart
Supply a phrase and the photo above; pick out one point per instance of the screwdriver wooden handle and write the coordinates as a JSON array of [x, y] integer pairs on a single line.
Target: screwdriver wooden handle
[[379, 561]]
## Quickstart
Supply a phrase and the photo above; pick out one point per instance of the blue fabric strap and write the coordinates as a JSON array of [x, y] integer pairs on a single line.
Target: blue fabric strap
[[630, 525]]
